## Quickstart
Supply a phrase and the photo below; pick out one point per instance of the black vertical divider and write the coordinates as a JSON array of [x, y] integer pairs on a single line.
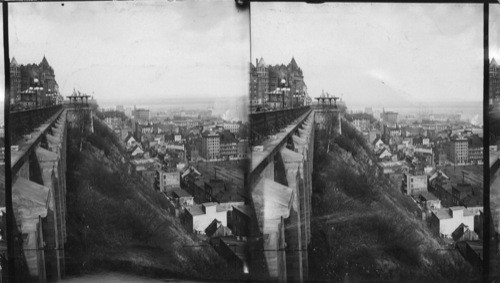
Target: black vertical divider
[[8, 177], [486, 148]]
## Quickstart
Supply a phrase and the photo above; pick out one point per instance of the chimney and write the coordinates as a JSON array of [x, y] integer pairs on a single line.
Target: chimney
[[457, 212], [209, 208], [256, 62]]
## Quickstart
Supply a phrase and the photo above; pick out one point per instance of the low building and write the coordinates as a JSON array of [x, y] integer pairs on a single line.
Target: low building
[[463, 233], [476, 155], [429, 201], [414, 184], [383, 154], [216, 229], [242, 150], [446, 220], [167, 181], [232, 127], [146, 168], [200, 216], [241, 219], [461, 191], [182, 198], [389, 167], [130, 141], [136, 151]]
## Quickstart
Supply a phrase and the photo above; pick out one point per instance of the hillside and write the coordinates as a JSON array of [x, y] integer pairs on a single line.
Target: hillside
[[363, 229], [118, 223]]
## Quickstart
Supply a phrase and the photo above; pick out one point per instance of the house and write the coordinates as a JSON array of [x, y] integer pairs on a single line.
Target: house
[[373, 135], [167, 180], [241, 218], [407, 142], [414, 183], [212, 188], [136, 151], [463, 233], [378, 143], [200, 216], [384, 154], [124, 133], [182, 197], [461, 191], [216, 229], [146, 168], [429, 201], [130, 141], [437, 177], [445, 221]]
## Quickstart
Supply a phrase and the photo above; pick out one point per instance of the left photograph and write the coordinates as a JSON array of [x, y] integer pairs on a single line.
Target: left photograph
[[129, 140]]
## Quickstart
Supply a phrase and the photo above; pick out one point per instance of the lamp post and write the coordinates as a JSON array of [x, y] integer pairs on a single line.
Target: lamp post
[[283, 91], [296, 96]]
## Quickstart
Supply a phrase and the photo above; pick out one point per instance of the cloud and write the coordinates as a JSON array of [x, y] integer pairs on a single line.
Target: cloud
[[423, 52], [494, 28], [124, 49]]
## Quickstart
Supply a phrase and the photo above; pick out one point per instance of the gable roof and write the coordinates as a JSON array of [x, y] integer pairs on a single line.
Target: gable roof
[[129, 136], [216, 229], [137, 148], [463, 233], [439, 175], [376, 140]]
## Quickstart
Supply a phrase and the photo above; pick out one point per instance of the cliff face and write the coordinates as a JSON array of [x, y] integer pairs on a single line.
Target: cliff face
[[116, 222], [363, 228]]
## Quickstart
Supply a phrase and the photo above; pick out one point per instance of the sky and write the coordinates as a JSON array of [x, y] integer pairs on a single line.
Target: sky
[[2, 73], [494, 29], [146, 52], [392, 55]]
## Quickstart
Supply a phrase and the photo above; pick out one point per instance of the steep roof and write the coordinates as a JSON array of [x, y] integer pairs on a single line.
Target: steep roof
[[375, 141], [261, 63], [129, 137], [13, 62], [216, 229], [293, 64], [44, 62], [493, 62]]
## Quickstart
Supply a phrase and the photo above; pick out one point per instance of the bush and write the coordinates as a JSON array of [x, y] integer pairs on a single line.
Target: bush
[[116, 220]]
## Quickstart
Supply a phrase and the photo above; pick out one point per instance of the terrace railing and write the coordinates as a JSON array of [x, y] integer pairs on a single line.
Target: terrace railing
[[26, 121], [263, 124]]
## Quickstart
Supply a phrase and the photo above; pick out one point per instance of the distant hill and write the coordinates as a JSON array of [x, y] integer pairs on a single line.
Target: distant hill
[[365, 229], [116, 222]]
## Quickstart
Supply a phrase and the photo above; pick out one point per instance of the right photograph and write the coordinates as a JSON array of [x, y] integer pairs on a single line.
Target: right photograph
[[494, 142], [367, 142]]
